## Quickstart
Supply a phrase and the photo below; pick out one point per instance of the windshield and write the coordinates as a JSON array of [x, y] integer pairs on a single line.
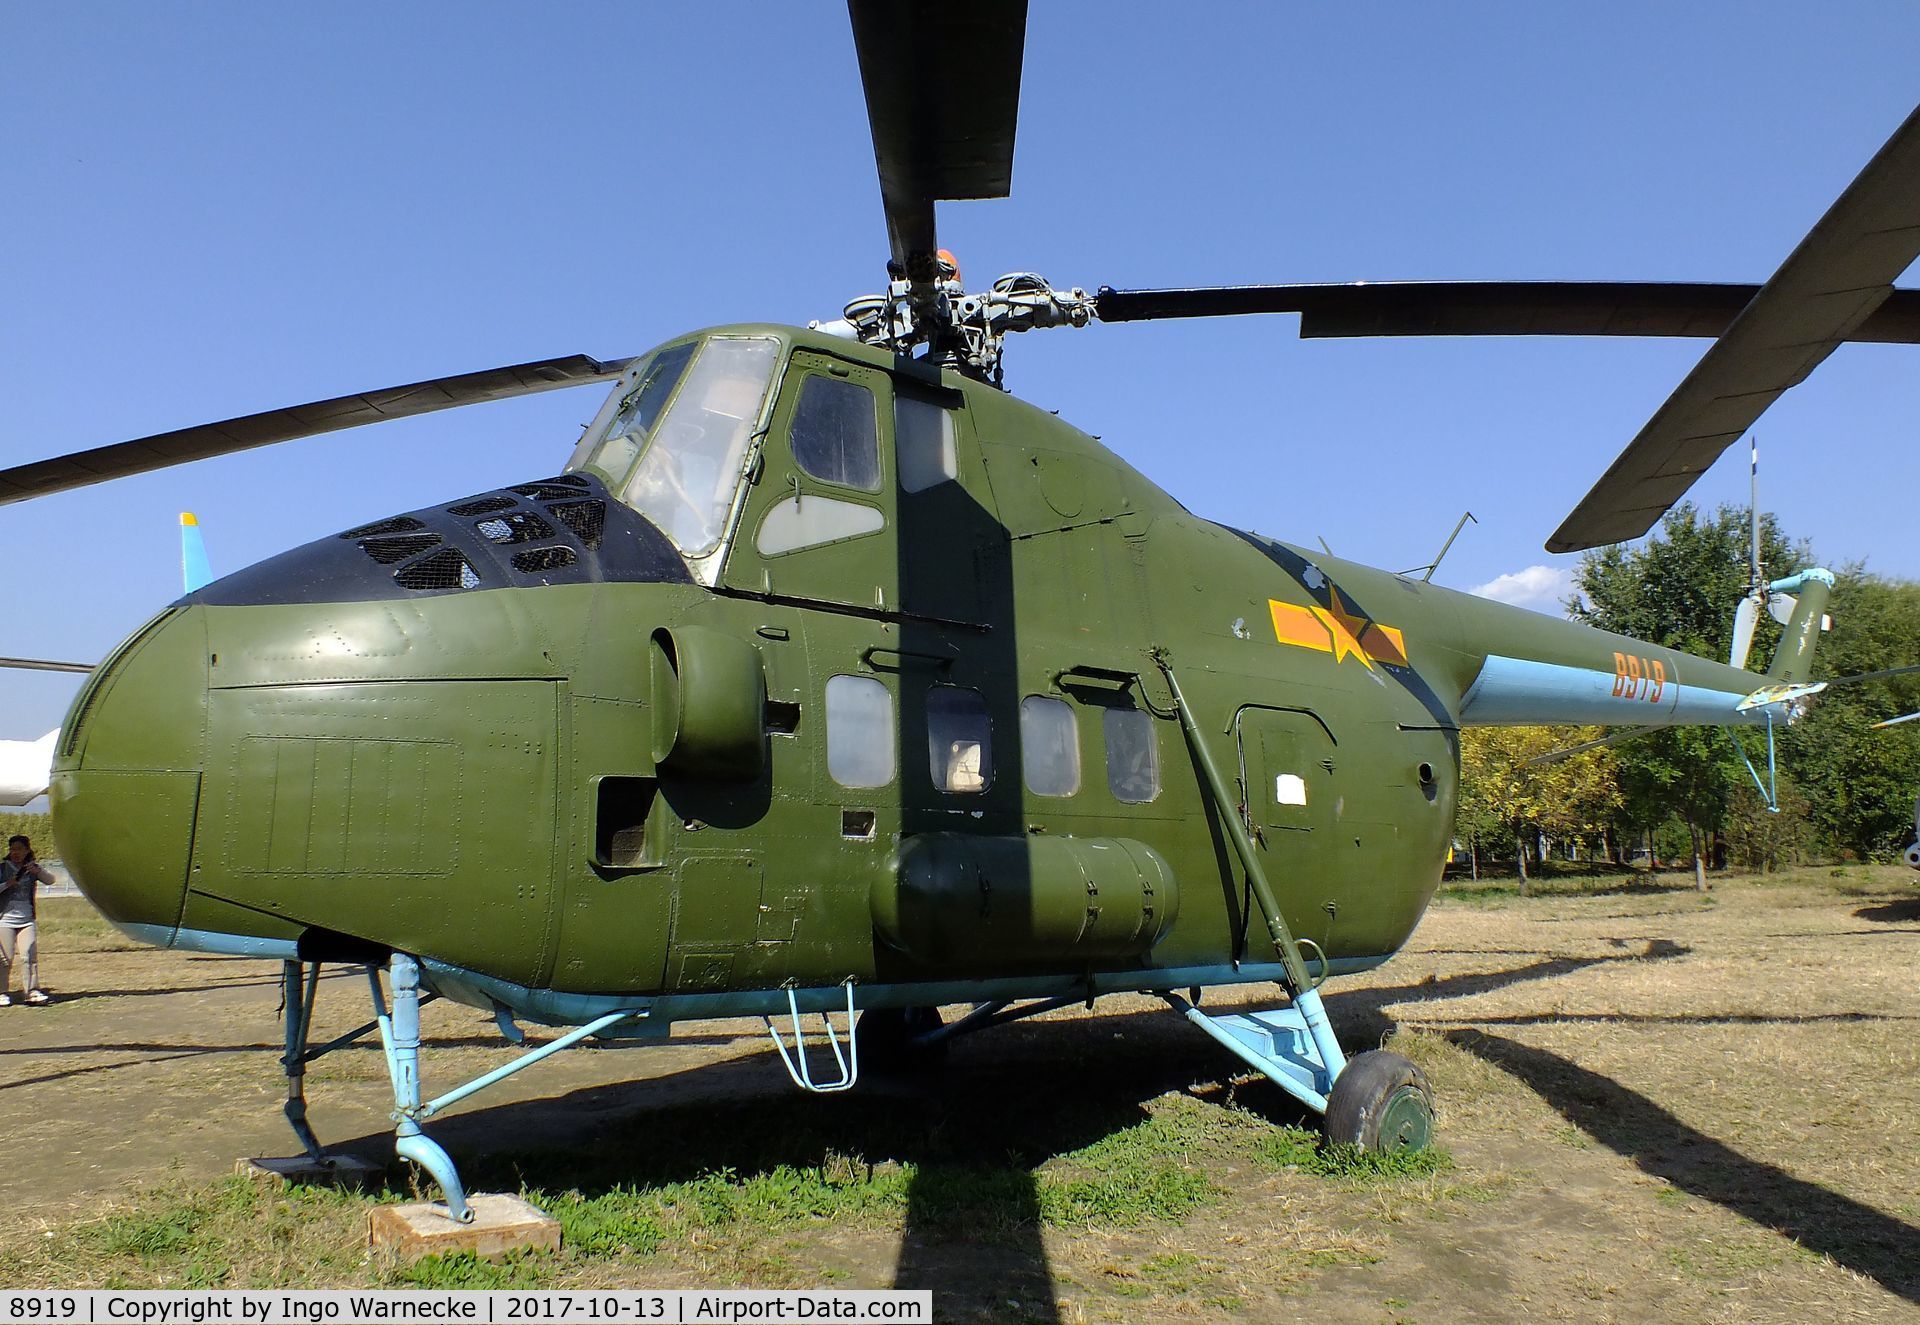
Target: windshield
[[676, 455], [611, 452]]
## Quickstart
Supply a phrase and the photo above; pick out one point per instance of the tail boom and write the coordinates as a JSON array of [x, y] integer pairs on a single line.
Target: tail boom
[[1543, 671]]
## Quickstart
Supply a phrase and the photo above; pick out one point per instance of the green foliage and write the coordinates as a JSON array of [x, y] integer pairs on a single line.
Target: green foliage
[[1680, 589], [1503, 794], [465, 1270], [1845, 788], [1681, 586], [1309, 1152], [1860, 783], [1761, 840], [39, 827]]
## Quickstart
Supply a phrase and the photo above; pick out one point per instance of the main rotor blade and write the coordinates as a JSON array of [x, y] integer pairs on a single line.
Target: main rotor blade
[[943, 92], [1840, 273], [284, 425], [1489, 308], [44, 665]]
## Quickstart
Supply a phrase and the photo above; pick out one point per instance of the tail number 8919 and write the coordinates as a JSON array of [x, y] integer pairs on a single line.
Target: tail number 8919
[[1638, 678]]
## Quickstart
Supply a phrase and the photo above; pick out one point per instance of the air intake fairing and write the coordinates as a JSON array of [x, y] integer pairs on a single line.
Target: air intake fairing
[[564, 530]]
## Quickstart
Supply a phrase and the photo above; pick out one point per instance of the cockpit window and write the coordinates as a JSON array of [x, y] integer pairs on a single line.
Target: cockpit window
[[611, 455], [676, 456]]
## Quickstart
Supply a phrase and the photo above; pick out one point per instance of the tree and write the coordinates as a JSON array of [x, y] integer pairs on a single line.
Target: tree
[[1680, 589], [39, 827], [1762, 839], [1503, 791], [1860, 783], [1855, 785], [1681, 586]]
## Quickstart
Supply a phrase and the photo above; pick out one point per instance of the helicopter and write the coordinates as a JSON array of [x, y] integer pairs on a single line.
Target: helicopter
[[829, 679]]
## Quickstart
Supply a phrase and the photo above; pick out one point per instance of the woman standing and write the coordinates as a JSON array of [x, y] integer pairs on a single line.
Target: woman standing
[[20, 877]]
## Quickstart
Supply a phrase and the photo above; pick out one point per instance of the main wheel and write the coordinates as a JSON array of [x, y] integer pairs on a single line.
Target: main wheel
[[1382, 1104], [887, 1037]]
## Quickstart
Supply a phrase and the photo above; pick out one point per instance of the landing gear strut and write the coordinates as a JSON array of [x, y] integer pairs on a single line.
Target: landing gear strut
[[399, 1029], [299, 986]]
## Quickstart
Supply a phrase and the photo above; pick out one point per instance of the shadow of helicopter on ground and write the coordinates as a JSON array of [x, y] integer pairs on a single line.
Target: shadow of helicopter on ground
[[968, 1140], [1899, 912], [1360, 1014], [1857, 1236], [971, 1136], [1685, 1018]]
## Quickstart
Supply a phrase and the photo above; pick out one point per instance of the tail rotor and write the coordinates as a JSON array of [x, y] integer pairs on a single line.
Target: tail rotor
[[1747, 616]]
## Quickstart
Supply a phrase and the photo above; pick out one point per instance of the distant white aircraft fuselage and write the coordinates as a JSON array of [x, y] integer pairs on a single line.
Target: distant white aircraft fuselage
[[26, 768]]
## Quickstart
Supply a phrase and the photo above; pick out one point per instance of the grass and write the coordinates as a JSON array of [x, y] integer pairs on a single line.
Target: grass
[[1724, 1259], [1160, 1169], [1494, 890], [80, 924], [1854, 880]]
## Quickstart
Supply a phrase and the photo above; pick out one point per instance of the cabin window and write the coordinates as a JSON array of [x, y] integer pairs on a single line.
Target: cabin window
[[923, 443], [959, 740], [836, 435], [810, 521], [1049, 746], [1133, 761], [860, 739], [687, 475]]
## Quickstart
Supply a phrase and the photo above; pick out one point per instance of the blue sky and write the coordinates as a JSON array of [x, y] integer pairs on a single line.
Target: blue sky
[[217, 208]]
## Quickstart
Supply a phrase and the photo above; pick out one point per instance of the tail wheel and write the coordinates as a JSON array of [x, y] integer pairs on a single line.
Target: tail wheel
[[1381, 1103], [887, 1037]]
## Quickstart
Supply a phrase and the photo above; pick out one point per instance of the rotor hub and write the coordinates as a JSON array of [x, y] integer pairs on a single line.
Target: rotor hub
[[966, 331]]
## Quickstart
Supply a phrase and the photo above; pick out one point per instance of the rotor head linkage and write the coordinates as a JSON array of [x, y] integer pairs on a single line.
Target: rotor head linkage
[[967, 332]]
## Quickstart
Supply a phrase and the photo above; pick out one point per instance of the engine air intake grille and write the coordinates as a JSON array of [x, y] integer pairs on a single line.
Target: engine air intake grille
[[553, 489], [445, 569], [520, 527], [398, 524], [543, 558], [565, 530], [587, 519], [398, 547], [485, 506]]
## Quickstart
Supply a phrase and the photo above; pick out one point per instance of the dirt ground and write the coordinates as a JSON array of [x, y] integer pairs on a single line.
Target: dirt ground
[[1659, 1106]]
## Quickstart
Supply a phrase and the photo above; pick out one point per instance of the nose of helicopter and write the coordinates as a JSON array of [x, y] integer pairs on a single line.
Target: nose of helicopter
[[224, 693], [127, 773]]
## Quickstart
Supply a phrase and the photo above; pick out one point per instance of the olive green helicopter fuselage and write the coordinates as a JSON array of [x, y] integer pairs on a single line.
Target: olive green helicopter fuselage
[[815, 666]]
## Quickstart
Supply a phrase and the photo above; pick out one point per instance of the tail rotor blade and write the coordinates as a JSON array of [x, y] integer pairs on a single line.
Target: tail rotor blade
[[1745, 618]]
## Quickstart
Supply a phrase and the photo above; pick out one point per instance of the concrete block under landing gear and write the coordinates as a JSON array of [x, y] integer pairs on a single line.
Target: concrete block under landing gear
[[501, 1224], [349, 1171]]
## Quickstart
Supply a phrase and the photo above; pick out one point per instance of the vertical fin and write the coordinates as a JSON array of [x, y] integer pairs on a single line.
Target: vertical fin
[[194, 568], [1793, 659]]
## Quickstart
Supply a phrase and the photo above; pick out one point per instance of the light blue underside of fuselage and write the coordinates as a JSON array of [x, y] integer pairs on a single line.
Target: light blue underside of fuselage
[[1519, 692], [550, 1007]]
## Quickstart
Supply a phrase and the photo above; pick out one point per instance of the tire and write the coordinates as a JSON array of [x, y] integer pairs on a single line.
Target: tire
[[1382, 1104], [886, 1036]]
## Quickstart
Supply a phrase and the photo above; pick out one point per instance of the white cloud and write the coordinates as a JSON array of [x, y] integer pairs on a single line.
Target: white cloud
[[1542, 588]]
